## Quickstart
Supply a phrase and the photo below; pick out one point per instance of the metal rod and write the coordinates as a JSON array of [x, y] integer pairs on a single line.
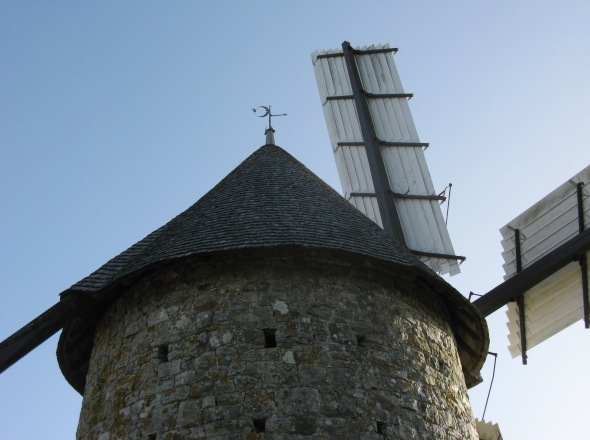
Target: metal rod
[[389, 215], [357, 194], [403, 144], [472, 294], [358, 52], [435, 255], [580, 196], [448, 204], [521, 318], [517, 250], [373, 96], [520, 299], [385, 144], [584, 269], [583, 259], [416, 196]]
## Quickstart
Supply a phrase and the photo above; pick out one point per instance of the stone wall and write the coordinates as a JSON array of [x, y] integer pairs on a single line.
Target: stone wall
[[276, 347]]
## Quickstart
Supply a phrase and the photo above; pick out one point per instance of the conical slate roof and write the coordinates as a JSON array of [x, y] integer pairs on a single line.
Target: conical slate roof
[[270, 200]]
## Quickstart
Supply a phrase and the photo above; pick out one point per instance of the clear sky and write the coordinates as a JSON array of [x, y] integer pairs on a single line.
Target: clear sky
[[116, 116]]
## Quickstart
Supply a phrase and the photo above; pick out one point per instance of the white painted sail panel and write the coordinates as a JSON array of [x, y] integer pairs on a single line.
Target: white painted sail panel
[[547, 224], [553, 305], [368, 206], [556, 302], [422, 221]]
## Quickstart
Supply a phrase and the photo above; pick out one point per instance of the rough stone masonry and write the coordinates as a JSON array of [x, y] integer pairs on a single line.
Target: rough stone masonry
[[276, 345]]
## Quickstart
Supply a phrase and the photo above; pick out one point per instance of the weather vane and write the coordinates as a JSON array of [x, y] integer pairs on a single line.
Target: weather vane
[[268, 113]]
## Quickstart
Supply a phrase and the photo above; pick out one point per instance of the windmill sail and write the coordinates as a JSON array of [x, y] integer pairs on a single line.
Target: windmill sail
[[403, 183], [561, 299]]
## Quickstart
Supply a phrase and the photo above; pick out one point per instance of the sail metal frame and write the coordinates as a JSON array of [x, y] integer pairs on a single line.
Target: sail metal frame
[[372, 95], [583, 260], [390, 217], [381, 190], [520, 300]]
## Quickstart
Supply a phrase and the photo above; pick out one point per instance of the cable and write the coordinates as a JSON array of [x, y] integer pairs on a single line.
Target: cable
[[447, 199], [448, 203], [491, 383]]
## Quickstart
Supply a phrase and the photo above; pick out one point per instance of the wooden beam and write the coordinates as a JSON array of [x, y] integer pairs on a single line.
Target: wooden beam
[[25, 340]]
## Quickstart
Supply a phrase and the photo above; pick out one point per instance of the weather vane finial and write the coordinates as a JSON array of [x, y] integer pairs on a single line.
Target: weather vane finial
[[269, 132]]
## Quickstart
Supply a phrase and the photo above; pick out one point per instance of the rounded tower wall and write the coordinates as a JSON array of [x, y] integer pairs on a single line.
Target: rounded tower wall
[[297, 344]]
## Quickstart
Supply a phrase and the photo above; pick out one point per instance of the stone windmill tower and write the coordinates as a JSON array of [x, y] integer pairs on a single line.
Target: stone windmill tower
[[271, 308]]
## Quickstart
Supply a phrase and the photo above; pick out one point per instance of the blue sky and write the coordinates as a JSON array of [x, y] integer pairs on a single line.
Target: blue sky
[[116, 116]]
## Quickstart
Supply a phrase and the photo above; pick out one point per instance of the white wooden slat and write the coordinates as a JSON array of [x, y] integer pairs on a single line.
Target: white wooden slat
[[368, 206], [348, 180], [513, 325], [357, 167]]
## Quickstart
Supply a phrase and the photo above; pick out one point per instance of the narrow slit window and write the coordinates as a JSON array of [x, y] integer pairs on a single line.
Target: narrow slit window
[[381, 426], [163, 351], [361, 341], [270, 340], [259, 425]]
